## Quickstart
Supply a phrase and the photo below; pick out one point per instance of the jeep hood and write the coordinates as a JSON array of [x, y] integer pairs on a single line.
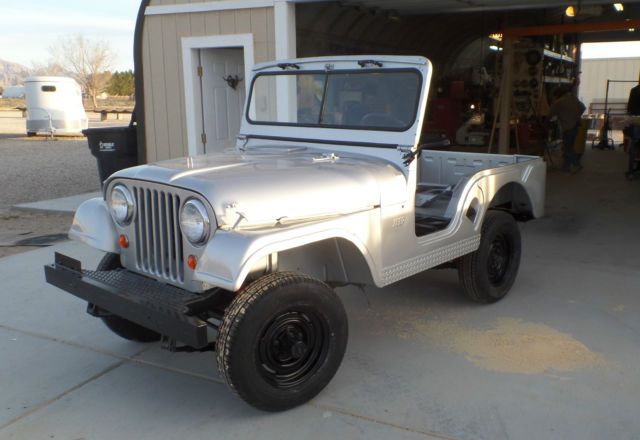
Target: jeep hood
[[266, 186]]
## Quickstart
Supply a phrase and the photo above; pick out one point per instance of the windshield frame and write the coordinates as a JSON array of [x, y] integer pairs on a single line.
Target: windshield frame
[[327, 74]]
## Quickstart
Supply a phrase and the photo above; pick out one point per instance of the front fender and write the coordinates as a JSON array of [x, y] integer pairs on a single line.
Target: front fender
[[92, 225], [231, 255]]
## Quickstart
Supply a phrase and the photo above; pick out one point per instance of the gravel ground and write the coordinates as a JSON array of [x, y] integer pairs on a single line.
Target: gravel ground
[[37, 168]]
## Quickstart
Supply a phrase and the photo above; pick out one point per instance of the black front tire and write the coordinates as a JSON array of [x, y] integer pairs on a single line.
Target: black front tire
[[282, 340], [120, 326], [487, 274]]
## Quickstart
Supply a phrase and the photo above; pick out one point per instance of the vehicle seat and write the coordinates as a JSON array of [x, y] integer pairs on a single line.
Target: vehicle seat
[[436, 205]]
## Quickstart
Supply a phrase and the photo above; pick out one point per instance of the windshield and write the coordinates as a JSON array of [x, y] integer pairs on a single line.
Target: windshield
[[380, 100]]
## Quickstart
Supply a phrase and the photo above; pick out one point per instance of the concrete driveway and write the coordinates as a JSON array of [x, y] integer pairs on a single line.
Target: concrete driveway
[[558, 358]]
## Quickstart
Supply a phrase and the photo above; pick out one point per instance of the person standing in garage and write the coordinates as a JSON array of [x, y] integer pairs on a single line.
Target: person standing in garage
[[633, 109], [633, 105], [568, 109]]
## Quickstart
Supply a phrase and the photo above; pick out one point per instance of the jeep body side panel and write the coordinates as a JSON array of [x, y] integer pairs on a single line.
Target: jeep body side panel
[[391, 256], [445, 167], [405, 254], [291, 187]]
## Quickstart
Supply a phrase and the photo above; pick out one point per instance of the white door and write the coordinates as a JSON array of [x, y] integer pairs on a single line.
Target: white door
[[222, 87]]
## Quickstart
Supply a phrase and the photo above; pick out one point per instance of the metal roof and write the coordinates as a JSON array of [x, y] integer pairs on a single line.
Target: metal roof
[[413, 7], [436, 29]]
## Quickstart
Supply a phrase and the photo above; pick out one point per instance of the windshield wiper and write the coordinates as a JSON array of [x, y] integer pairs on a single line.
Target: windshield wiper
[[285, 66], [365, 63]]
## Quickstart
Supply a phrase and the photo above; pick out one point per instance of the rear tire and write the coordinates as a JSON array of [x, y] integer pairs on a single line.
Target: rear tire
[[487, 274], [282, 340], [120, 326]]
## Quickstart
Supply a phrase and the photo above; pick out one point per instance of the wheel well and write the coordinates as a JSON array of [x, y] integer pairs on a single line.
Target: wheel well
[[336, 261], [514, 199]]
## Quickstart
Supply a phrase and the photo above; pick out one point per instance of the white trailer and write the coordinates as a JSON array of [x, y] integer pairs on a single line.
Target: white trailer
[[54, 104], [13, 92]]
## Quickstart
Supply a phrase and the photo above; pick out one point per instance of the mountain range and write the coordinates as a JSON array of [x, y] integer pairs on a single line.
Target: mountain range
[[12, 74]]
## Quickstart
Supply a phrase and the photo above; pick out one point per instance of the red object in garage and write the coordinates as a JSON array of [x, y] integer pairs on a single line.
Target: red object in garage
[[446, 116], [456, 90]]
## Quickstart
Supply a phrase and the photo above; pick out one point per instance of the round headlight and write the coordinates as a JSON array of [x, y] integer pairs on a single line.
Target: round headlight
[[121, 205], [194, 222]]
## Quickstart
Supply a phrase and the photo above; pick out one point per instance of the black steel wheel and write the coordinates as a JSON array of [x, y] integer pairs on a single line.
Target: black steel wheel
[[488, 274], [291, 347], [282, 340], [120, 326], [498, 259]]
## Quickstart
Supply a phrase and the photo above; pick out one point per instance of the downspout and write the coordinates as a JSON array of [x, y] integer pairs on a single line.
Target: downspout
[[139, 113]]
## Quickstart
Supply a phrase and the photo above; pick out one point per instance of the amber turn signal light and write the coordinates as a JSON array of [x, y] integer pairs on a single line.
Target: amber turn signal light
[[123, 241], [192, 262]]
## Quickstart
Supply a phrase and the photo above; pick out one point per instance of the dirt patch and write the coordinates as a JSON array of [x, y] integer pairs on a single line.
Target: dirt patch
[[510, 345], [12, 103]]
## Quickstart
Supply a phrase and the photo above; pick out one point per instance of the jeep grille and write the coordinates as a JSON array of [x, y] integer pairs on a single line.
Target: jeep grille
[[158, 243]]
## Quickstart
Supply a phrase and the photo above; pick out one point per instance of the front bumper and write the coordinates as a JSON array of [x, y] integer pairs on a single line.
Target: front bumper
[[149, 303]]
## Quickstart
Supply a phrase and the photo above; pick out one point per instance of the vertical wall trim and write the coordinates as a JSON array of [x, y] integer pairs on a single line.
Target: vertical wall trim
[[190, 45], [139, 110], [285, 24], [504, 135], [285, 29]]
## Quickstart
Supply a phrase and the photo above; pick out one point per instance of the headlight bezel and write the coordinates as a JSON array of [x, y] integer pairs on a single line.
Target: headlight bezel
[[130, 204], [204, 214]]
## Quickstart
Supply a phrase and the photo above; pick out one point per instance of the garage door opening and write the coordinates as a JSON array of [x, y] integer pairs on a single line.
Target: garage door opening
[[466, 50], [609, 70]]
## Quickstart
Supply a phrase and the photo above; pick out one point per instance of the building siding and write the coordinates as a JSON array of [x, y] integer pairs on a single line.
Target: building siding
[[164, 86], [596, 72]]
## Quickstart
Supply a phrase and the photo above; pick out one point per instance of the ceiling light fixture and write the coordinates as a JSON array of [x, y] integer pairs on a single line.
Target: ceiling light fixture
[[570, 11], [618, 7]]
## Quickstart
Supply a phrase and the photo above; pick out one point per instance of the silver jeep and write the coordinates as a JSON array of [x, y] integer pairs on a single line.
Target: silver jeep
[[327, 186]]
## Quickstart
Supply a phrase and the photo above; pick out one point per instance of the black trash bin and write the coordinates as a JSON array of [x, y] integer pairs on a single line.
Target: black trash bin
[[115, 148]]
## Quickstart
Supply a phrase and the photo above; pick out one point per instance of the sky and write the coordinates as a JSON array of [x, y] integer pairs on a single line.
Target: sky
[[30, 27]]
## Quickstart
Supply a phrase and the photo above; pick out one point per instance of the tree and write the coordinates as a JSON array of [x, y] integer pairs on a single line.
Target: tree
[[50, 69], [88, 61], [121, 83]]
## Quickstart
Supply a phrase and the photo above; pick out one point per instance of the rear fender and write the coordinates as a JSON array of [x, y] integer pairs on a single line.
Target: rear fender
[[521, 192]]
